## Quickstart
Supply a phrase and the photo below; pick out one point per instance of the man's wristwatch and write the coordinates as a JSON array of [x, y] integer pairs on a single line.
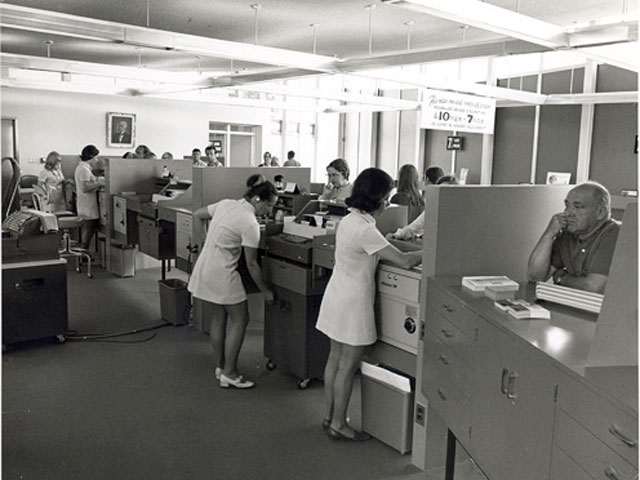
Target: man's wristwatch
[[558, 277]]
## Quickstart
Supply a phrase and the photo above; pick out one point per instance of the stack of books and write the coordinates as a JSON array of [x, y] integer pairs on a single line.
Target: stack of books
[[522, 309], [495, 283], [572, 297]]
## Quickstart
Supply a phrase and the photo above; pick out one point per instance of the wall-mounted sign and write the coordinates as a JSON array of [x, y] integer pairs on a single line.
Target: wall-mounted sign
[[457, 112], [454, 143]]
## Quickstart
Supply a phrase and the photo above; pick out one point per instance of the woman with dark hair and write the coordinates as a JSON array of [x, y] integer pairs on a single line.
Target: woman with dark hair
[[232, 229], [51, 183], [87, 186], [408, 192], [338, 188], [346, 313]]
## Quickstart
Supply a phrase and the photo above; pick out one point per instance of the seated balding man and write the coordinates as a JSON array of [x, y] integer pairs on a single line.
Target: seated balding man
[[577, 246]]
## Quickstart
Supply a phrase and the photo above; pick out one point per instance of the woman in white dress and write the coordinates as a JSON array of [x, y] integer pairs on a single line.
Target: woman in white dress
[[346, 314], [233, 229]]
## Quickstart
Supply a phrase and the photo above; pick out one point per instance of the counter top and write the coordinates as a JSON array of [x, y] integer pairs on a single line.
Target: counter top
[[566, 337]]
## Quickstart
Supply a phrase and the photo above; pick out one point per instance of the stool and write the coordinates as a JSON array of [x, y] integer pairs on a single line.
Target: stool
[[65, 224]]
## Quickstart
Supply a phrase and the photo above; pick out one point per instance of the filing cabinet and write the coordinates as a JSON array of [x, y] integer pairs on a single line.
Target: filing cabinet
[[184, 260]]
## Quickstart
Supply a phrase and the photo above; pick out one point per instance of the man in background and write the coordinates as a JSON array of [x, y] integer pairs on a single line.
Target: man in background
[[212, 157], [121, 133], [291, 160], [576, 248]]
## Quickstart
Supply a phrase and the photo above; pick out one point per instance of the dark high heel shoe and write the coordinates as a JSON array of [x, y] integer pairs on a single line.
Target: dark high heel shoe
[[357, 436]]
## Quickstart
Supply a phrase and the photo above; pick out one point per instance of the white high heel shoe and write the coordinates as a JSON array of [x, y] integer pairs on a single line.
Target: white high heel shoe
[[239, 382]]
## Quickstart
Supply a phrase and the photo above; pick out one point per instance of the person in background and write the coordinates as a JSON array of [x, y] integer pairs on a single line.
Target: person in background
[[142, 151], [416, 228], [52, 183], [87, 186], [167, 156], [129, 155], [408, 192], [347, 311], [338, 188], [212, 160], [291, 160], [432, 174], [280, 182], [577, 246], [233, 229], [275, 161], [266, 160], [196, 158]]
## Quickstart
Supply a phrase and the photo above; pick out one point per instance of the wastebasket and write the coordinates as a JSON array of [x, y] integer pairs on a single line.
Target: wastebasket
[[174, 301], [387, 406]]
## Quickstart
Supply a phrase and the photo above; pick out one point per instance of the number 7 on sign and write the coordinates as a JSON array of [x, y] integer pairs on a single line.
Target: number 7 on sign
[[469, 118]]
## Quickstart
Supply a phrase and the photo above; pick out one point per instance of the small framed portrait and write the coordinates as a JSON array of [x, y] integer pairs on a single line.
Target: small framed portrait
[[121, 130]]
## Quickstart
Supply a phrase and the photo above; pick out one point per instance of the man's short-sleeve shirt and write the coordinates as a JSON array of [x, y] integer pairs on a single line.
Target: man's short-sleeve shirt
[[580, 256]]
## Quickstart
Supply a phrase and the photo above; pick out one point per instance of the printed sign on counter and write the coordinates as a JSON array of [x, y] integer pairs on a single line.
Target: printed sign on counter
[[457, 112]]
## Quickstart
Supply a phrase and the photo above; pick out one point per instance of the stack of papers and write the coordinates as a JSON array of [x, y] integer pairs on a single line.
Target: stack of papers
[[522, 309], [572, 297], [479, 284]]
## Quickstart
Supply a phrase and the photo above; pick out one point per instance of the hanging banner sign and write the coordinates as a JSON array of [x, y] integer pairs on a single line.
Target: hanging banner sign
[[457, 112]]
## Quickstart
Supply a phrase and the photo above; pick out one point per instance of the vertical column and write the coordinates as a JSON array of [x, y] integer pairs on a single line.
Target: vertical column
[[486, 162], [586, 124]]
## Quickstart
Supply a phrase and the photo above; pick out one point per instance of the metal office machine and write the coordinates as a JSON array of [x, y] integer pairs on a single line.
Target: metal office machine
[[290, 337]]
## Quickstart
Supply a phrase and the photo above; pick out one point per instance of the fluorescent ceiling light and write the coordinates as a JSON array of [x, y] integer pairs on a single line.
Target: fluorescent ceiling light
[[490, 17], [31, 19]]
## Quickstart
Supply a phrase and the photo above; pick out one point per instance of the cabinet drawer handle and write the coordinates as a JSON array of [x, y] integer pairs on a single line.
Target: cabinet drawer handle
[[611, 473], [503, 383], [442, 395], [388, 284], [613, 429], [448, 308], [447, 333], [443, 360], [511, 386]]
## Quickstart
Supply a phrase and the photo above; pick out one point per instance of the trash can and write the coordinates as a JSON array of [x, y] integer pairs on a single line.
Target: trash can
[[387, 406], [123, 260], [174, 301]]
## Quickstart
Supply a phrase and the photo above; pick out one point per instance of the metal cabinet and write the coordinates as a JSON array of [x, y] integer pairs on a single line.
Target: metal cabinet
[[594, 432], [513, 407], [291, 340], [184, 260], [125, 225], [34, 300], [156, 238]]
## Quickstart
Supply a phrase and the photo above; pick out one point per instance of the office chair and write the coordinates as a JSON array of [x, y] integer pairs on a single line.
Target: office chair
[[66, 222]]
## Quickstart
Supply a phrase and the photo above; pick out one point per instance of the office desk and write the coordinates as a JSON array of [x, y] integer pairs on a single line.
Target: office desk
[[518, 395], [181, 220]]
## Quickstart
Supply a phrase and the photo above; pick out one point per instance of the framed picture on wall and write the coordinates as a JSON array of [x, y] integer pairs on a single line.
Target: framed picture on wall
[[121, 130]]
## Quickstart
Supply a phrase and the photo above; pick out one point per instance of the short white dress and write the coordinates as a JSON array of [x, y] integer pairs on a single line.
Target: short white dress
[[346, 313], [214, 278]]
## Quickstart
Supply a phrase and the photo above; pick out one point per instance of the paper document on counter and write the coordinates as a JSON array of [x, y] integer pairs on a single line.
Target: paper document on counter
[[386, 376], [479, 283]]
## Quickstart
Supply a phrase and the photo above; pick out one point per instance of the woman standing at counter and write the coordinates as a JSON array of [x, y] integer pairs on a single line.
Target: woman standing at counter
[[346, 314], [338, 188], [233, 228]]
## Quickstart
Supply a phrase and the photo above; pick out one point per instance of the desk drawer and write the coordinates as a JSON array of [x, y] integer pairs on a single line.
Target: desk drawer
[[184, 222], [452, 404], [589, 452], [397, 285], [451, 309], [283, 274], [450, 335], [448, 362], [602, 418]]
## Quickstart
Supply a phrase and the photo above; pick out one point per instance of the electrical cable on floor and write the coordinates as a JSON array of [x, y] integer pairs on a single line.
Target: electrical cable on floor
[[103, 340], [102, 336]]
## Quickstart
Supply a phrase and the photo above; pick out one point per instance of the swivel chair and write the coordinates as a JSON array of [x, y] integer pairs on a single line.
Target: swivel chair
[[66, 222]]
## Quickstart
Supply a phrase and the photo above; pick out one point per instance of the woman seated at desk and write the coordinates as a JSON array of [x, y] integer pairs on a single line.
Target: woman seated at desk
[[408, 192], [338, 189], [52, 184]]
